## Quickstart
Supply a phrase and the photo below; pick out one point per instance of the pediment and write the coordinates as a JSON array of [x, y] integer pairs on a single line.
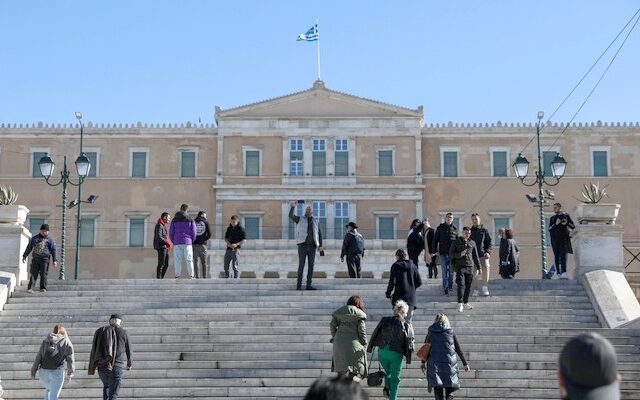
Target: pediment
[[318, 102]]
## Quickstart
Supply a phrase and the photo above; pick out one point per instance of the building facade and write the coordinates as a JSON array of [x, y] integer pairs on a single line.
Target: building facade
[[347, 157]]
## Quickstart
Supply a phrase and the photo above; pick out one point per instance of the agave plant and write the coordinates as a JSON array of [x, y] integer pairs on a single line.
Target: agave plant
[[593, 193], [7, 196]]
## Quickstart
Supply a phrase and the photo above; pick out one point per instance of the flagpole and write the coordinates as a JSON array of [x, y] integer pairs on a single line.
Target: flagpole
[[318, 32]]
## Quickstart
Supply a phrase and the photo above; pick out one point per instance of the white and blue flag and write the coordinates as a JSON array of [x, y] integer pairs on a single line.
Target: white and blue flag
[[309, 36]]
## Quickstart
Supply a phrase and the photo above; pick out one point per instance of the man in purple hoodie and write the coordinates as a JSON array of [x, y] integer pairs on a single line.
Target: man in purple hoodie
[[182, 234]]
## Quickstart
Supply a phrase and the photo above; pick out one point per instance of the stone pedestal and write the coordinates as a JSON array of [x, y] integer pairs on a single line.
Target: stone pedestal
[[597, 247], [598, 255], [13, 241]]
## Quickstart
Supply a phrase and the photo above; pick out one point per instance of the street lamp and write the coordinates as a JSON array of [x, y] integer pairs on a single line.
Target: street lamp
[[47, 167], [558, 168], [87, 165]]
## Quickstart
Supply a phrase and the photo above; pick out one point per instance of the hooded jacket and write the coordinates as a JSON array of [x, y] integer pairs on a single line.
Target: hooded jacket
[[442, 365], [160, 236], [349, 337], [43, 247], [403, 282], [203, 233], [64, 353], [183, 229]]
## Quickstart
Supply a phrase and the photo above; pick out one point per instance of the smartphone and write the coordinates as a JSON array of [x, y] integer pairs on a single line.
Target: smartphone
[[300, 201], [321, 253]]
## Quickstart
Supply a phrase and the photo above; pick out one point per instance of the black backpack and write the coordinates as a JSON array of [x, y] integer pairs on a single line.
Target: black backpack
[[360, 243], [51, 358]]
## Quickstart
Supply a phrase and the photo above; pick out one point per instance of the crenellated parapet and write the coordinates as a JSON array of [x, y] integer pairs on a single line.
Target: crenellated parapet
[[92, 128]]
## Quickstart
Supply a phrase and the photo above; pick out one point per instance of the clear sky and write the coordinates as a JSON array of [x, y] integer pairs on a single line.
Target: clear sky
[[173, 61]]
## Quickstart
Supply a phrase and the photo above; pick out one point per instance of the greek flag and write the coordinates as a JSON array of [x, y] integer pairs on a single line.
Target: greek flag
[[311, 35]]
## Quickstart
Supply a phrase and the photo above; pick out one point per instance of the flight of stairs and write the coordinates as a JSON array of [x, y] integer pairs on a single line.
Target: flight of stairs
[[261, 339]]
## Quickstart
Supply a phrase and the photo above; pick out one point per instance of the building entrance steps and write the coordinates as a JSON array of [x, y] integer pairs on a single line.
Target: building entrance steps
[[262, 340]]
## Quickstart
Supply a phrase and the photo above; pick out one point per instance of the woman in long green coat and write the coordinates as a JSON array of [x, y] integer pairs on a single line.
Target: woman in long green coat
[[349, 338]]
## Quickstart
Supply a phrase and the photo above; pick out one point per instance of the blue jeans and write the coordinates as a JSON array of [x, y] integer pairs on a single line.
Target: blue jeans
[[111, 381], [53, 379], [447, 276], [306, 251]]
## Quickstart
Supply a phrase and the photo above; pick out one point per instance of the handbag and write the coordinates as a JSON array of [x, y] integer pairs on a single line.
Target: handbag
[[423, 352], [375, 378]]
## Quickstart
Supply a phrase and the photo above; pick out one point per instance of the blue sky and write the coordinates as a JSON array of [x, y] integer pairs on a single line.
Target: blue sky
[[174, 61]]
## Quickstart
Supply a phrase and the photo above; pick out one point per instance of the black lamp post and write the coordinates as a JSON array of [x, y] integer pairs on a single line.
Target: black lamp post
[[77, 271], [558, 167], [47, 166]]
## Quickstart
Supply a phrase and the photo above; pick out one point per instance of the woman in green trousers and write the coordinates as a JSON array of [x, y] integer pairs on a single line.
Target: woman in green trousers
[[391, 336]]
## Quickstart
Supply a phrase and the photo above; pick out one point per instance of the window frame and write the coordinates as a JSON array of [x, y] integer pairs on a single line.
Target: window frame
[[33, 163], [392, 149], [345, 151], [506, 150], [183, 150], [450, 149], [96, 167], [146, 161], [94, 218], [144, 230], [301, 160], [245, 150], [394, 217], [321, 149], [260, 224], [607, 150]]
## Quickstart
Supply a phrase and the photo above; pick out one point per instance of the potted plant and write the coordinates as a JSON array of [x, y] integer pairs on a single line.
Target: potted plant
[[592, 210], [10, 213]]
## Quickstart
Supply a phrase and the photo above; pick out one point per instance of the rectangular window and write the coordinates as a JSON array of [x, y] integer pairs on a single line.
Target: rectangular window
[[35, 224], [600, 163], [93, 159], [500, 222], [252, 227], [450, 163], [187, 163], [320, 213], [36, 156], [319, 158], [341, 219], [342, 157], [296, 157], [299, 211], [386, 228], [252, 163], [385, 162], [499, 163], [138, 164], [87, 232], [136, 232], [547, 158]]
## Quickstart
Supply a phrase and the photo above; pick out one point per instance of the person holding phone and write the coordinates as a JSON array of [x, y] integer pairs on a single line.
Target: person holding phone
[[559, 225], [309, 239], [464, 257]]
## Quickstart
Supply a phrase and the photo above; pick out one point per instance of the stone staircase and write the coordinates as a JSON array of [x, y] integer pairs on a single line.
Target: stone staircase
[[260, 339]]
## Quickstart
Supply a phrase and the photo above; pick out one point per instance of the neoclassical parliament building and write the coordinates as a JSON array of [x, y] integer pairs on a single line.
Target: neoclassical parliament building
[[349, 158]]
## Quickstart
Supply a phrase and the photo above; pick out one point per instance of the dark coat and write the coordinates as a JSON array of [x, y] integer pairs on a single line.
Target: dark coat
[[415, 241], [403, 282], [481, 236], [560, 234], [469, 259], [43, 248], [443, 237], [393, 333], [350, 244], [235, 234], [183, 229], [349, 338], [442, 365], [161, 236], [428, 235], [509, 252]]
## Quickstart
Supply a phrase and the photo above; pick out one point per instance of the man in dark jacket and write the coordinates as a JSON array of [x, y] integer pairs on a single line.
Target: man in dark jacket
[[353, 249], [445, 233], [480, 235], [415, 241], [559, 225], [464, 257], [203, 234], [235, 237], [429, 258], [43, 248], [183, 233], [108, 351], [403, 282], [162, 244]]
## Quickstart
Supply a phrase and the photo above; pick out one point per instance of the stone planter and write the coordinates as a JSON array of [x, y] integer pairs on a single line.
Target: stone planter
[[13, 214], [601, 213]]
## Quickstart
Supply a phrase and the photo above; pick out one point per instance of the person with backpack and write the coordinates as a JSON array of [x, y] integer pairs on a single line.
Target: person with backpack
[[353, 248], [55, 349], [43, 247]]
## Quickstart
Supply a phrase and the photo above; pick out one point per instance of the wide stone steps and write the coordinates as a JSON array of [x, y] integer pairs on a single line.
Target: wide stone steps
[[260, 339]]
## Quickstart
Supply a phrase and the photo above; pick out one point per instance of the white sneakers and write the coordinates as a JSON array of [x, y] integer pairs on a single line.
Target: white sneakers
[[485, 291], [460, 307], [564, 275], [474, 293], [466, 306]]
